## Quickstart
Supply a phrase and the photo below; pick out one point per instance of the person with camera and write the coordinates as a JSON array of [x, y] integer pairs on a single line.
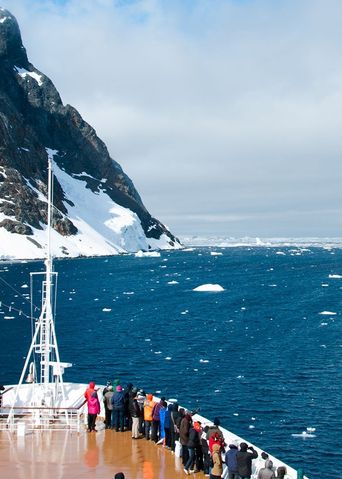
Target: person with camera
[[244, 459]]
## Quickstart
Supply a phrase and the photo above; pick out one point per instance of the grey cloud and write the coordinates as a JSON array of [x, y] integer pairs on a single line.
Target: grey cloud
[[224, 109]]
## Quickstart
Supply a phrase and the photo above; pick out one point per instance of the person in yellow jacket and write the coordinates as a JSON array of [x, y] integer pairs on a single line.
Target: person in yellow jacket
[[148, 414], [217, 469]]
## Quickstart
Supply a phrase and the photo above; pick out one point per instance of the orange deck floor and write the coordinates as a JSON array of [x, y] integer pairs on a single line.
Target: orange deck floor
[[59, 455]]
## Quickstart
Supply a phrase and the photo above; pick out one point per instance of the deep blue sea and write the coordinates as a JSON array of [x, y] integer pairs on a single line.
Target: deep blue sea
[[260, 355]]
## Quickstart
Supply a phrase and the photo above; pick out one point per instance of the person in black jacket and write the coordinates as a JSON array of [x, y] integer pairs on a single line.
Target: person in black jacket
[[135, 413], [244, 460], [205, 451], [193, 445], [184, 431]]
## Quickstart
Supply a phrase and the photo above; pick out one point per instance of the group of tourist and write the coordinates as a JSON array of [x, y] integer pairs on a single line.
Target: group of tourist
[[202, 448]]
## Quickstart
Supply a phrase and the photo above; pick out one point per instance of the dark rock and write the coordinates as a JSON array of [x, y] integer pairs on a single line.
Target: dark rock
[[33, 118], [16, 227]]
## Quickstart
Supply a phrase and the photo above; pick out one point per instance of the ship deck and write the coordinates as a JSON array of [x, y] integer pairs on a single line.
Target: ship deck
[[64, 454]]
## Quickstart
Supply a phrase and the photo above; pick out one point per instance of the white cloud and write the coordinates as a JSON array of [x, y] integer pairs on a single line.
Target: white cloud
[[228, 108]]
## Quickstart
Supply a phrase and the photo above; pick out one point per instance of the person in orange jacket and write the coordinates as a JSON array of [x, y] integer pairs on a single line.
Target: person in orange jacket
[[148, 414]]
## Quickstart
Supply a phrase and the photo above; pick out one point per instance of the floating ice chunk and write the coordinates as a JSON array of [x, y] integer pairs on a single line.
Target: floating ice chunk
[[240, 377], [168, 358], [8, 317], [251, 426], [147, 339], [172, 282], [188, 249], [306, 434], [147, 254], [281, 253], [209, 287], [24, 286], [106, 310], [324, 324], [128, 292], [157, 352], [328, 313], [217, 391], [215, 253], [335, 276], [204, 360], [185, 311], [235, 414], [324, 285]]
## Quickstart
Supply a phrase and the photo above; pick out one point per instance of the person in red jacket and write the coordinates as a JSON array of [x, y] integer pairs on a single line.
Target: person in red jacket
[[215, 439], [89, 391], [93, 411]]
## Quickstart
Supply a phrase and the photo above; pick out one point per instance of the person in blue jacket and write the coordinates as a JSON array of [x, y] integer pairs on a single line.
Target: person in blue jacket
[[118, 414]]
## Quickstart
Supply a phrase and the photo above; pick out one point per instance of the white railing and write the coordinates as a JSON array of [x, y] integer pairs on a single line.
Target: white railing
[[42, 418]]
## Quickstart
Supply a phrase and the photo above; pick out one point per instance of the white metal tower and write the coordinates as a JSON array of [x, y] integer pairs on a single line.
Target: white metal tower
[[47, 385]]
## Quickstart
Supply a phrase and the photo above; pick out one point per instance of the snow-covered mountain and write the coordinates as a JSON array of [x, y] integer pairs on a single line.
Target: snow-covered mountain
[[97, 208]]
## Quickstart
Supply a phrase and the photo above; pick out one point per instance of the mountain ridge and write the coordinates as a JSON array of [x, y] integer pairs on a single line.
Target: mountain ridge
[[33, 121]]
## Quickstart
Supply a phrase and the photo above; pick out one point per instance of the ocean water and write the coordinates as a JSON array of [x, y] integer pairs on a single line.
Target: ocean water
[[264, 355]]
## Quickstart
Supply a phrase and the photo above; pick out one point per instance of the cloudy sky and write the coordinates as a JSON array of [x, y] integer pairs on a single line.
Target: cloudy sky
[[226, 114]]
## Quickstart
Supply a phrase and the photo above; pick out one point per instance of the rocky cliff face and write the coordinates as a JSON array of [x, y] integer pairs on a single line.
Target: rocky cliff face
[[33, 121]]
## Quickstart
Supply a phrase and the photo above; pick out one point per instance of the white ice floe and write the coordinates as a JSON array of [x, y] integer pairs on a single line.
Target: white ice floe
[[106, 310], [24, 286], [172, 282], [309, 433], [204, 360], [209, 287], [328, 313], [335, 276], [215, 253], [147, 254]]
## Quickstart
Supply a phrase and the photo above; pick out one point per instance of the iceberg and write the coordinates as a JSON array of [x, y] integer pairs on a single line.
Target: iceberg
[[147, 254], [209, 287]]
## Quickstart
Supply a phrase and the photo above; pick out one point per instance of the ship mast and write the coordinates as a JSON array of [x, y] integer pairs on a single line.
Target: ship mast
[[48, 386]]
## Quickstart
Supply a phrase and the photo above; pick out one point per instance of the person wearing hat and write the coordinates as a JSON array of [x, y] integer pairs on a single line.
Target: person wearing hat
[[217, 469], [93, 410], [215, 428], [244, 459], [231, 461], [135, 413], [118, 402], [107, 401], [148, 415], [267, 471]]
